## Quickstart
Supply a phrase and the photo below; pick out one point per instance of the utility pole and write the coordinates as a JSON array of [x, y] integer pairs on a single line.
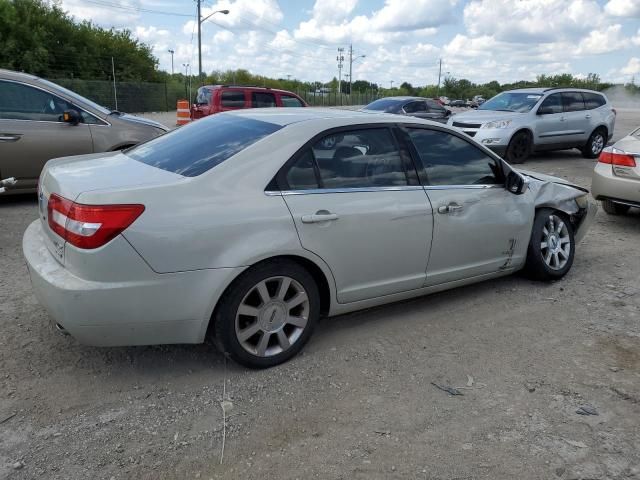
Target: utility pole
[[350, 66], [439, 75], [390, 84], [340, 59], [199, 42], [113, 73], [171, 52]]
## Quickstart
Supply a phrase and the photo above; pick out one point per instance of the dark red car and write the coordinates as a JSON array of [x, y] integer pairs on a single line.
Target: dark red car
[[221, 98]]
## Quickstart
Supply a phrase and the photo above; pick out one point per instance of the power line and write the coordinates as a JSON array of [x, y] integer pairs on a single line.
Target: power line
[[131, 8]]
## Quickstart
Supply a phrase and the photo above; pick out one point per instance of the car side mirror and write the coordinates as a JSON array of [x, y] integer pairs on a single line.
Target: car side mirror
[[71, 116], [516, 183]]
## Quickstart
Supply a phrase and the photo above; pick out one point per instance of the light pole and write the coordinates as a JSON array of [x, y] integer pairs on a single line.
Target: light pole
[[390, 84], [171, 52], [186, 72], [351, 60], [200, 20]]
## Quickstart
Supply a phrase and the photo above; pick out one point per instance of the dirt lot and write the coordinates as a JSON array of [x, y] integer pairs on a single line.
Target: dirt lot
[[359, 403]]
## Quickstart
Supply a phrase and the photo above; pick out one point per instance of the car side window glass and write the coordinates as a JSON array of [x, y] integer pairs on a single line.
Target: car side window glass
[[22, 102], [302, 175], [414, 107], [593, 100], [262, 100], [433, 105], [359, 159], [450, 160], [573, 101], [204, 96], [232, 99], [88, 118], [552, 104], [289, 101]]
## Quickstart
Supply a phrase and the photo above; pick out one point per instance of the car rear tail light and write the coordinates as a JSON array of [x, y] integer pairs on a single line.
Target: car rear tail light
[[89, 226], [617, 157]]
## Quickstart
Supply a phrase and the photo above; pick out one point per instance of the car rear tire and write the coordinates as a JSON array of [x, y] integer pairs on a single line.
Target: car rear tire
[[597, 141], [552, 246], [613, 208], [267, 314], [519, 148]]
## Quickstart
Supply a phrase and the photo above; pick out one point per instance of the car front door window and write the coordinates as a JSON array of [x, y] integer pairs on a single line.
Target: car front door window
[[450, 160], [23, 102]]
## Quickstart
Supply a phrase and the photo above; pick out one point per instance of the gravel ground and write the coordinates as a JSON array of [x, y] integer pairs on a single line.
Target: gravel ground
[[359, 402]]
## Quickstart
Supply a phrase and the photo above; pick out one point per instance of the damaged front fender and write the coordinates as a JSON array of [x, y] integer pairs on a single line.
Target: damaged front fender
[[557, 193]]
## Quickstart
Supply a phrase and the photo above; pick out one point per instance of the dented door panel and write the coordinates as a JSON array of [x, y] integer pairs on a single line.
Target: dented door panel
[[478, 229]]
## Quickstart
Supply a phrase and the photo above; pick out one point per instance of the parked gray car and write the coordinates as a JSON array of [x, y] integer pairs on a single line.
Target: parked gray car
[[518, 122], [419, 107], [40, 120], [254, 234]]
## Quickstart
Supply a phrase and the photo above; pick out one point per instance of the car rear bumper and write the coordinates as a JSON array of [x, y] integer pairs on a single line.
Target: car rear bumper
[[608, 186], [164, 308]]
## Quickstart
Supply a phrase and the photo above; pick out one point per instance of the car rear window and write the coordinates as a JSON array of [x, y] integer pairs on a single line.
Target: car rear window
[[200, 146], [232, 98]]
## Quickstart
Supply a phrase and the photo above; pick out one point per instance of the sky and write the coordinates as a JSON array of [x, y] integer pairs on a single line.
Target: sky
[[393, 40]]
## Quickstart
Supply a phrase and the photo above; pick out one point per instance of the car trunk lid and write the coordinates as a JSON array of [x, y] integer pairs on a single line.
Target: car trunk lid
[[70, 177]]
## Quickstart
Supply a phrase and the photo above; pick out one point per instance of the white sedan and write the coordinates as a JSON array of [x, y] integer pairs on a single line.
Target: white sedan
[[249, 226]]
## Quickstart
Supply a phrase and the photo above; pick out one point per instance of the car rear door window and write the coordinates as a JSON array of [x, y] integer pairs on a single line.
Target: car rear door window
[[359, 159], [232, 99], [593, 100], [552, 104], [289, 101], [415, 107], [450, 160], [301, 175], [434, 106], [573, 101], [200, 146], [23, 102], [262, 100]]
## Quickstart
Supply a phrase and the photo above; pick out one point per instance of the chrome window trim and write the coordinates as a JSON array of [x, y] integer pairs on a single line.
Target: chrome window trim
[[319, 191], [104, 122]]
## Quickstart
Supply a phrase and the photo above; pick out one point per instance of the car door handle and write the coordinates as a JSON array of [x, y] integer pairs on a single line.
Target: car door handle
[[319, 217], [588, 115], [562, 119], [9, 137], [452, 207]]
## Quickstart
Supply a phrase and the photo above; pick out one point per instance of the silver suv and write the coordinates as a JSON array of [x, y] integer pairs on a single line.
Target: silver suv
[[518, 122]]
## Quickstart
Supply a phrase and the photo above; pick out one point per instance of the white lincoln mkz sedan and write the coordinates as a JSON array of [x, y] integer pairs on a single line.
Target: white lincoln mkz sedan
[[249, 226]]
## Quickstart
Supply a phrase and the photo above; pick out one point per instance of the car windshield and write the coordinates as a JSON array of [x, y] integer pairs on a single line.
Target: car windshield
[[74, 96], [512, 102], [383, 105], [193, 149]]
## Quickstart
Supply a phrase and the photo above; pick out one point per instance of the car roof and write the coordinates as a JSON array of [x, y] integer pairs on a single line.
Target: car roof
[[541, 90], [248, 87], [13, 75], [402, 98], [285, 116]]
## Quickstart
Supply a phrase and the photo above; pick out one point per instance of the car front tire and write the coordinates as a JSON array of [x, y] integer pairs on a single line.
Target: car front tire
[[268, 314], [552, 246], [519, 148]]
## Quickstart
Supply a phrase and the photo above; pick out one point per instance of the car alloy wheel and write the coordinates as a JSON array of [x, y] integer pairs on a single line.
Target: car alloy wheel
[[597, 144], [555, 246], [272, 316]]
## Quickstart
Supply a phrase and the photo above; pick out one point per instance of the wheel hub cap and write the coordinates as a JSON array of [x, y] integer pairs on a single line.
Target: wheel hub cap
[[272, 317], [555, 245]]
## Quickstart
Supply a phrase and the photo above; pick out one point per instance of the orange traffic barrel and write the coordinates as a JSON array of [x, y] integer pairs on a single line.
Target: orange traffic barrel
[[184, 114]]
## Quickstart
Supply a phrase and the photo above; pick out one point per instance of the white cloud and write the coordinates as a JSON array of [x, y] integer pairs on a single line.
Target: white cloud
[[603, 41], [623, 8], [527, 21], [632, 68], [326, 11]]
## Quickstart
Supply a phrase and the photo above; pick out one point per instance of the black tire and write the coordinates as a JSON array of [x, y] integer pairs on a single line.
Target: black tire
[[536, 267], [225, 332], [597, 141], [613, 208], [519, 148]]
